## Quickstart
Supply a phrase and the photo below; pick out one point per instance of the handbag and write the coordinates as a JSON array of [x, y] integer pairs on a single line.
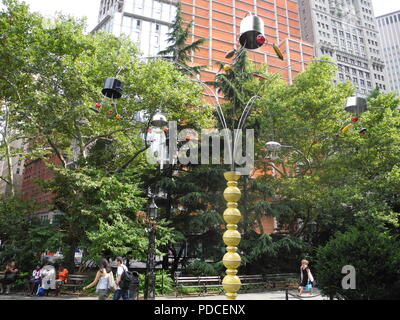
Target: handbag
[[40, 291], [308, 287], [111, 282]]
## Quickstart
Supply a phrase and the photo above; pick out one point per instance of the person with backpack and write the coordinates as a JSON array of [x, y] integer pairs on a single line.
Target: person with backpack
[[123, 280], [104, 280]]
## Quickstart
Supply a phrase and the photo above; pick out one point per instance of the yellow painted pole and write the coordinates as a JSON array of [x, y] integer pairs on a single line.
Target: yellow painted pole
[[232, 237]]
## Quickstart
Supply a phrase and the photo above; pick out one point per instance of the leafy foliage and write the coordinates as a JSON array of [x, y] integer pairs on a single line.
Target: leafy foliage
[[23, 237], [164, 283], [58, 71], [372, 251]]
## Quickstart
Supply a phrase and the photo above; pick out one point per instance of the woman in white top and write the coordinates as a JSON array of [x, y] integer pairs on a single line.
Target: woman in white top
[[104, 280], [306, 278], [48, 277]]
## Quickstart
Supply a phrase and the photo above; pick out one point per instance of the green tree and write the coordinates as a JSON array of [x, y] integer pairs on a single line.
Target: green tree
[[60, 75], [15, 20], [23, 237], [323, 176], [179, 50], [374, 254], [102, 216]]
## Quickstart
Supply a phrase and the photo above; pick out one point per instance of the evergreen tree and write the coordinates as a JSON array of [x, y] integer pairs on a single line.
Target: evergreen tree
[[179, 50], [230, 85]]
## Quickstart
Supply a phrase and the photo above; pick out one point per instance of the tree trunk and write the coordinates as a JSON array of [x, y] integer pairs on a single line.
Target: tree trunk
[[9, 168], [177, 258], [69, 256], [8, 152], [165, 260]]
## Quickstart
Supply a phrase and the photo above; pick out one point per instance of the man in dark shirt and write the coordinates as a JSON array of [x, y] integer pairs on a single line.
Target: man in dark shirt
[[10, 277]]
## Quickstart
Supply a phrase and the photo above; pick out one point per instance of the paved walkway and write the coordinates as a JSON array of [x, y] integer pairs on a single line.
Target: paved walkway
[[268, 295], [21, 296]]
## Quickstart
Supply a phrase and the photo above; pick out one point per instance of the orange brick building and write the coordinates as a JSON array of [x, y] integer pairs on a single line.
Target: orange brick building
[[38, 170], [219, 22]]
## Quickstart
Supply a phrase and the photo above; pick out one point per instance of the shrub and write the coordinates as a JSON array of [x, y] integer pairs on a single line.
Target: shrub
[[276, 253], [201, 268], [374, 254], [164, 283]]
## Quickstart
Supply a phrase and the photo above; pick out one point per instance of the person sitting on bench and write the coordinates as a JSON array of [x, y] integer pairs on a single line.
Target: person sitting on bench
[[49, 278], [10, 277], [36, 279], [62, 278]]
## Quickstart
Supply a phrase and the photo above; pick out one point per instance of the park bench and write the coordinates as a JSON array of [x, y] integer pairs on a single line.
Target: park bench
[[203, 283], [271, 281], [251, 280], [75, 281], [281, 280]]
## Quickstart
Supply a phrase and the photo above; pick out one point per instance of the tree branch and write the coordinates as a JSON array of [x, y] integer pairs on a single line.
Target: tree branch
[[5, 180], [126, 164], [57, 152], [106, 135]]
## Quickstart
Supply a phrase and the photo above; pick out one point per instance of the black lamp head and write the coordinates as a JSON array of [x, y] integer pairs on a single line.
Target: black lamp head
[[113, 88], [153, 209]]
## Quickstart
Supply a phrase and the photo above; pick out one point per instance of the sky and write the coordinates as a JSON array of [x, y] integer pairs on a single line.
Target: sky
[[77, 8], [90, 8], [385, 6]]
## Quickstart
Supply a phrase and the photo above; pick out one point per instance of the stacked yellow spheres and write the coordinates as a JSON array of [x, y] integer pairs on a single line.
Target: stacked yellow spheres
[[232, 237]]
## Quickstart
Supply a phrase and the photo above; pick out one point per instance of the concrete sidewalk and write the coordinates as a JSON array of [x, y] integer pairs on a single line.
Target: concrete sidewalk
[[267, 295], [23, 297]]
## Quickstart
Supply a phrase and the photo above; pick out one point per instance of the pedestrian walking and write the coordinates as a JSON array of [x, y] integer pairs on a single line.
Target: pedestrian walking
[[306, 278], [121, 292], [104, 280]]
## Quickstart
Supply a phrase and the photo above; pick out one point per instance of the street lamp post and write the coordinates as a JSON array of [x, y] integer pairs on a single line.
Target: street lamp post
[[313, 226], [312, 229], [150, 280]]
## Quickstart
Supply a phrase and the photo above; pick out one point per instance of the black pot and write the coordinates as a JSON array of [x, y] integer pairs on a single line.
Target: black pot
[[113, 88]]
